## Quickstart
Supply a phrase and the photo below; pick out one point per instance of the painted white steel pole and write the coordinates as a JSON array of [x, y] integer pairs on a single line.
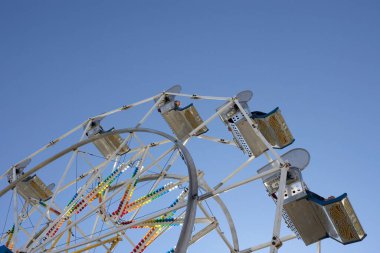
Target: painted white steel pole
[[276, 243], [319, 247]]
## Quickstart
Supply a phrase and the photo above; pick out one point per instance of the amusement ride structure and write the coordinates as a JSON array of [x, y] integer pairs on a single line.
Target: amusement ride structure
[[138, 189]]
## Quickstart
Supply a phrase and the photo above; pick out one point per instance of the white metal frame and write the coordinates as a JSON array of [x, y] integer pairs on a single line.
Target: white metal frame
[[220, 188]]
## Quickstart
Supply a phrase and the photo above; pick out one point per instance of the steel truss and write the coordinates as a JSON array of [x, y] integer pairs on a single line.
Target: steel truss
[[55, 215]]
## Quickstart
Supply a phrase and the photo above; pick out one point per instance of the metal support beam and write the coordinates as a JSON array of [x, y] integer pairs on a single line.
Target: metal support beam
[[267, 244], [276, 242]]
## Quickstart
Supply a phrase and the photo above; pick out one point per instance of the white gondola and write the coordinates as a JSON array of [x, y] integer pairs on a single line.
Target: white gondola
[[18, 170], [271, 125], [309, 215], [31, 187], [34, 188], [182, 120], [109, 144], [274, 128]]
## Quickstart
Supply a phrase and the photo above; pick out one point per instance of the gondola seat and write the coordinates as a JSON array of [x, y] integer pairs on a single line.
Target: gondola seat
[[181, 120], [274, 128], [316, 218], [184, 120], [33, 187], [108, 144]]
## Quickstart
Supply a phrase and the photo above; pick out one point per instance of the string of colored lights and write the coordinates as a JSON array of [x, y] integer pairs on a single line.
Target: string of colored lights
[[141, 246], [50, 208], [156, 231], [126, 196], [81, 204], [8, 244], [159, 224], [180, 198], [102, 186], [149, 197], [102, 208], [172, 250]]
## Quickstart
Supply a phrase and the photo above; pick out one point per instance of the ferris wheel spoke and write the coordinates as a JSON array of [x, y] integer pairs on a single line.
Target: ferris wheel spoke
[[212, 193], [155, 106], [83, 176], [102, 208], [217, 140], [242, 166], [15, 215], [166, 168], [84, 155], [205, 231], [36, 228], [58, 239], [213, 225], [149, 153], [227, 214], [111, 225], [126, 107], [276, 242], [194, 96], [113, 241], [86, 237], [22, 216], [152, 144], [267, 244], [149, 166], [68, 166], [218, 229]]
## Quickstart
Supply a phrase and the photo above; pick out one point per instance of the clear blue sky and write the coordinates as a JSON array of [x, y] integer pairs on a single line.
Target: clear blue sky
[[64, 61]]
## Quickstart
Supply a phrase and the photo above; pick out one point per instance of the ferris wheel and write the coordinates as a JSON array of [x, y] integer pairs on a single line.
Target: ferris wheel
[[136, 188]]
